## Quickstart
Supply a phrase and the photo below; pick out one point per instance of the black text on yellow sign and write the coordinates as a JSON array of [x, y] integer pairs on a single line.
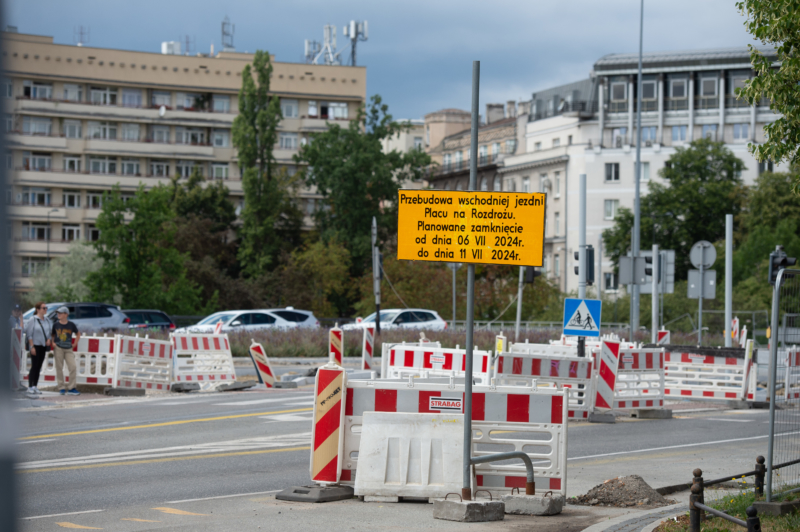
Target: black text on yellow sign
[[472, 227]]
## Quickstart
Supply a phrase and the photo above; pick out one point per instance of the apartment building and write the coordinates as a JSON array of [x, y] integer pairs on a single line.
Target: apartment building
[[79, 120]]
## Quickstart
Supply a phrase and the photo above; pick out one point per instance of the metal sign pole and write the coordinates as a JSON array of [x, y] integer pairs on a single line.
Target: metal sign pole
[[466, 488], [773, 373], [700, 299], [519, 303], [728, 278], [453, 267], [654, 296], [376, 276]]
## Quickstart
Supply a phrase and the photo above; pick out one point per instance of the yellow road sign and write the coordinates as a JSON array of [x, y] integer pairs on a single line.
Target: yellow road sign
[[472, 227]]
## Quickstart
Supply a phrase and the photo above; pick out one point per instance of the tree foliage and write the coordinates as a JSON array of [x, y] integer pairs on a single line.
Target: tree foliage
[[64, 279], [776, 23], [348, 166], [210, 202], [271, 220]]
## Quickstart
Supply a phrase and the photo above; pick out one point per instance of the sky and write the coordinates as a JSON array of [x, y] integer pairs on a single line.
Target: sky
[[419, 53]]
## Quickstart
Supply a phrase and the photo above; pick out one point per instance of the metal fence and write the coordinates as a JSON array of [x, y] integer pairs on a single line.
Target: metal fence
[[524, 325], [784, 421], [756, 322]]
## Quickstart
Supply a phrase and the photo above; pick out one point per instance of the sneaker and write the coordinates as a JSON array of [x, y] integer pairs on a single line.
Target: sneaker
[[63, 392], [31, 391], [36, 390], [74, 391]]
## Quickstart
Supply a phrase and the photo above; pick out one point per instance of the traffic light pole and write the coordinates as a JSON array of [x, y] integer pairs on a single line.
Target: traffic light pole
[[376, 276], [582, 237], [729, 278], [654, 298]]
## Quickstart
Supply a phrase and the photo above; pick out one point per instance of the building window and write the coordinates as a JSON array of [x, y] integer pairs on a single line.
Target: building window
[[103, 130], [537, 146], [557, 181], [35, 231], [678, 133], [545, 265], [484, 184], [35, 196], [649, 135], [159, 134], [556, 143], [186, 101], [37, 90], [94, 200], [708, 87], [619, 91], [190, 135], [313, 112], [459, 158], [335, 110], [612, 172], [569, 140], [221, 103], [619, 136], [72, 129], [710, 131], [70, 233], [32, 266], [130, 166], [92, 233], [131, 98], [35, 125], [219, 171], [677, 88], [611, 281], [130, 132], [185, 168], [557, 220], [556, 266], [418, 143], [103, 96], [648, 90], [496, 148], [740, 131], [36, 161], [483, 152], [8, 122], [447, 161], [458, 185], [497, 185], [9, 160], [72, 164], [73, 93], [103, 165], [526, 184], [289, 108], [221, 138], [8, 89], [287, 141], [72, 199], [511, 185], [543, 183], [511, 146], [645, 171], [611, 209], [159, 168], [159, 98]]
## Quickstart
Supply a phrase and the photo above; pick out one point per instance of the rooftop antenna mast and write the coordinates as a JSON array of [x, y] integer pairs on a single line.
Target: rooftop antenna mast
[[326, 51], [357, 31], [188, 44], [80, 35], [227, 35]]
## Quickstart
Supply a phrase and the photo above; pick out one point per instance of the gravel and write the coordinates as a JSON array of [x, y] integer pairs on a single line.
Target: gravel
[[623, 492]]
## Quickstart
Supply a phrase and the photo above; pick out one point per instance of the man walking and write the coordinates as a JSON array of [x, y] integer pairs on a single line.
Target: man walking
[[63, 330], [38, 331]]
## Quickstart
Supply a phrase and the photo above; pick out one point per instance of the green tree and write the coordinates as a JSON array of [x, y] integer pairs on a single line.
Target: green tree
[[777, 23], [702, 185], [64, 279], [141, 266], [770, 201], [190, 197], [348, 166], [271, 219]]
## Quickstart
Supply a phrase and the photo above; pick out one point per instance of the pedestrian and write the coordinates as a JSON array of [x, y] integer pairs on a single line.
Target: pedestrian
[[39, 332], [15, 320], [63, 330]]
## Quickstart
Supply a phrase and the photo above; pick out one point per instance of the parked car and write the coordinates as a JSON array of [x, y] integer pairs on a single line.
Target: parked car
[[239, 320], [149, 319], [303, 318], [91, 316], [403, 318]]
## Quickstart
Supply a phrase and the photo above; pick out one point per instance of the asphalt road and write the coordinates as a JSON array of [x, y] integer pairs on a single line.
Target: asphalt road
[[160, 450]]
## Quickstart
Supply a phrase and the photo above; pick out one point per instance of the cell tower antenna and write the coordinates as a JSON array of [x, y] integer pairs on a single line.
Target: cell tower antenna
[[227, 35], [80, 35], [188, 44], [357, 31]]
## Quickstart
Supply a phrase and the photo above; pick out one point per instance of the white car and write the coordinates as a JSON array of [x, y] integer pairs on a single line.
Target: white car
[[303, 318], [403, 318], [239, 320]]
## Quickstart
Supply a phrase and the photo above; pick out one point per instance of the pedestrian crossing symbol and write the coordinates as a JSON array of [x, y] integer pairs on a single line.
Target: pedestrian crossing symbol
[[582, 317]]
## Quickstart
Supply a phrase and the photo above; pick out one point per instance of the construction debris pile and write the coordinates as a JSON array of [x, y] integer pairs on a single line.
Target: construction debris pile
[[623, 492]]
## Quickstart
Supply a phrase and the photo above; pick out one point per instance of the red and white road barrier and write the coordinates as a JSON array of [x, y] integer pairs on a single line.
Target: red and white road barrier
[[558, 349], [640, 379], [261, 362], [387, 347], [423, 361], [663, 337], [367, 349], [735, 328], [95, 359], [515, 369], [706, 377], [743, 337], [17, 358], [327, 434], [539, 415], [218, 328], [335, 345], [605, 383], [144, 363], [204, 359], [791, 388]]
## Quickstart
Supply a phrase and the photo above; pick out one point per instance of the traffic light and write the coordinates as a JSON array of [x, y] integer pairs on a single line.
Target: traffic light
[[778, 260], [589, 264], [531, 274]]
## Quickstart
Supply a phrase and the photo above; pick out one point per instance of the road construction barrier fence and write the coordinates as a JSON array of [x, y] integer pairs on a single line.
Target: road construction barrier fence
[[261, 362], [327, 434], [204, 359], [605, 381], [791, 387], [640, 379], [536, 416], [544, 349], [144, 363], [386, 347], [368, 348], [17, 358], [335, 345], [423, 361], [95, 360], [706, 377]]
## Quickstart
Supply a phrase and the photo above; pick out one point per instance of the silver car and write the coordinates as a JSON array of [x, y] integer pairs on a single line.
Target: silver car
[[92, 317], [403, 318]]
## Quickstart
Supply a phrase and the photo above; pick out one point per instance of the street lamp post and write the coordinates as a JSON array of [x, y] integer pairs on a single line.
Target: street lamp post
[[48, 234]]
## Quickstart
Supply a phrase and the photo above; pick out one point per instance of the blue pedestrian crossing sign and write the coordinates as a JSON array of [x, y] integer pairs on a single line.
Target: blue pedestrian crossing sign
[[582, 317]]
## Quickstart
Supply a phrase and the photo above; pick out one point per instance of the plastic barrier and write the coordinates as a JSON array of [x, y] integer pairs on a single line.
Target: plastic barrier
[[640, 379], [605, 382], [204, 359], [386, 347], [261, 362], [707, 378], [423, 361], [144, 363], [95, 359], [791, 388], [17, 358], [327, 436], [544, 349], [537, 416], [567, 371], [335, 344], [367, 348]]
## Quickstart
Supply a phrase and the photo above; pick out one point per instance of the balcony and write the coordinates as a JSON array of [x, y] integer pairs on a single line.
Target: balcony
[[17, 139], [26, 245], [676, 104], [565, 107], [618, 106], [457, 166], [647, 105], [146, 148], [706, 103], [37, 212]]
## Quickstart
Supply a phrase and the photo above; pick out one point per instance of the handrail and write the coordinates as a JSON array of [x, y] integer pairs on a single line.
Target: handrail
[[530, 485], [721, 514]]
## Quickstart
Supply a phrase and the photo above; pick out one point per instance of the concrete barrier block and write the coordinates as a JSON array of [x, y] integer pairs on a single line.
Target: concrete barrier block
[[377, 498], [124, 392], [602, 417], [469, 511], [284, 384], [663, 413], [183, 387], [533, 504]]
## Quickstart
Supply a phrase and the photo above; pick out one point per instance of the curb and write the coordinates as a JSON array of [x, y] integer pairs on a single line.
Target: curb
[[611, 524]]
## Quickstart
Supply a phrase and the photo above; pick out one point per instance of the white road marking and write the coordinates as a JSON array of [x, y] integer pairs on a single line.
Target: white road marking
[[224, 496], [248, 444], [260, 401], [35, 441], [307, 403], [679, 446], [287, 417], [734, 420], [59, 515]]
